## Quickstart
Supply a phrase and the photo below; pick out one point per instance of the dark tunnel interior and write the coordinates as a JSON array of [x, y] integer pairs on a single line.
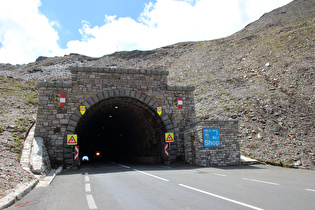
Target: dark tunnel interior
[[121, 129]]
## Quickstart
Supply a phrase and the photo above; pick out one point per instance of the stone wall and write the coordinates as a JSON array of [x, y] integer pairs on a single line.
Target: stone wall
[[228, 153], [146, 90], [89, 86]]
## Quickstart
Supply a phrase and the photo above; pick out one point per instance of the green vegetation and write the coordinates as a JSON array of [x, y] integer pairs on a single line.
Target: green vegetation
[[31, 98]]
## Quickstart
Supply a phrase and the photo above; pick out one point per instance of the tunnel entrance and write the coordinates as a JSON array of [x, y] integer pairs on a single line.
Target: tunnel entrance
[[121, 129]]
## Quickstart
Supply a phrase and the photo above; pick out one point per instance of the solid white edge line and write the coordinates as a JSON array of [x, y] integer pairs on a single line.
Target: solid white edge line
[[166, 180], [221, 197], [91, 202], [87, 188], [311, 190], [255, 180]]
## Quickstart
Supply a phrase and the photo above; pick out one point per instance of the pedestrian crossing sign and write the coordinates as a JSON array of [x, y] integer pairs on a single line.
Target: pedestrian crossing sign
[[72, 139], [169, 137]]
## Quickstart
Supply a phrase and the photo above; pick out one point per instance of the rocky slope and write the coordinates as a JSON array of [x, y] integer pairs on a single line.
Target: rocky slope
[[17, 113], [262, 76]]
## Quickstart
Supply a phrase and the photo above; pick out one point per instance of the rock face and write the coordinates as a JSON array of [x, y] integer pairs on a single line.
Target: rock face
[[262, 76], [39, 162]]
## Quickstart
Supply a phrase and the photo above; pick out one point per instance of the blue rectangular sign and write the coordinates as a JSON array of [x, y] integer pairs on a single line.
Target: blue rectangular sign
[[211, 137]]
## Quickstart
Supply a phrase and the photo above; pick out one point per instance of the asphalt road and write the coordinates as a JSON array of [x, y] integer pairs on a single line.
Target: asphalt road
[[124, 186]]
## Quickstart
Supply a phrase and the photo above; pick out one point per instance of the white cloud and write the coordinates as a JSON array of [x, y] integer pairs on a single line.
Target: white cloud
[[171, 21], [26, 34]]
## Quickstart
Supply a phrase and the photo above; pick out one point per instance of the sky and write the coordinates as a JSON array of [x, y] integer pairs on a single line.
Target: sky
[[33, 28]]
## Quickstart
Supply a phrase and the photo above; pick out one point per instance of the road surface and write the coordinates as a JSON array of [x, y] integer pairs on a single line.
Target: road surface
[[123, 186]]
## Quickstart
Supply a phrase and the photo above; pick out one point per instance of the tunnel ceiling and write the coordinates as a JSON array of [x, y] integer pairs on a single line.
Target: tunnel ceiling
[[121, 128]]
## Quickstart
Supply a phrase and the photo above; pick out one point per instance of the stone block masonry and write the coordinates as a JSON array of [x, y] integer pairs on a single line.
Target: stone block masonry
[[228, 153], [141, 91], [89, 86]]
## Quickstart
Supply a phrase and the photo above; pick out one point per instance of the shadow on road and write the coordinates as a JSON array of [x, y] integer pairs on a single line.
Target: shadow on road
[[118, 167]]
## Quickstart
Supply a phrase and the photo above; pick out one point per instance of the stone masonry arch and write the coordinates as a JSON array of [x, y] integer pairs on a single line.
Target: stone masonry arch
[[141, 97], [134, 97]]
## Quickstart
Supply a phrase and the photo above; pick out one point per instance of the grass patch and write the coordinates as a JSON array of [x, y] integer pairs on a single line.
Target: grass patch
[[31, 98]]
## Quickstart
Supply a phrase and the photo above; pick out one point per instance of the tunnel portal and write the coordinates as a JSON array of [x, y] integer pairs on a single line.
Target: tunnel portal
[[121, 119], [129, 115], [121, 129]]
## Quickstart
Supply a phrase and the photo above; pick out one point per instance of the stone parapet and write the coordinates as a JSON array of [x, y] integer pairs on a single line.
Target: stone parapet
[[118, 70], [180, 88], [54, 84]]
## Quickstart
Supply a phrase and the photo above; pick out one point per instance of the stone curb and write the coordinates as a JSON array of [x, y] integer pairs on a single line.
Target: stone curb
[[18, 194], [23, 190]]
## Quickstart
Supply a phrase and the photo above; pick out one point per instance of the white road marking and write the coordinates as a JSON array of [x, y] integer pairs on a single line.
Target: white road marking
[[123, 165], [311, 190], [260, 181], [160, 178], [220, 174], [87, 178], [221, 197], [87, 188], [91, 202]]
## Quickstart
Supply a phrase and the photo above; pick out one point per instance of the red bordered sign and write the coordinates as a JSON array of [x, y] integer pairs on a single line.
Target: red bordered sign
[[169, 137], [178, 102], [166, 149], [72, 139], [62, 101], [59, 99], [76, 153]]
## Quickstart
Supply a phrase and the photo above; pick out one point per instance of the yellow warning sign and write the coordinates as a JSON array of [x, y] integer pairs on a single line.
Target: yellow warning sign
[[159, 110], [72, 139], [169, 137], [82, 109]]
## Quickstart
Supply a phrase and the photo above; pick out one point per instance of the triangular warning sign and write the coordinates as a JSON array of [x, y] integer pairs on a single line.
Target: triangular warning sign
[[72, 139], [169, 137]]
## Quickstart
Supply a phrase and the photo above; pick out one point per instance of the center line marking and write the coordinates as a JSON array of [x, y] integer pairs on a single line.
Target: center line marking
[[123, 165], [91, 202], [221, 197], [311, 190], [264, 182], [220, 174], [160, 178], [87, 188]]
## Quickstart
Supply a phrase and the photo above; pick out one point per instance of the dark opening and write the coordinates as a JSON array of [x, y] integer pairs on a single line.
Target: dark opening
[[121, 129]]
